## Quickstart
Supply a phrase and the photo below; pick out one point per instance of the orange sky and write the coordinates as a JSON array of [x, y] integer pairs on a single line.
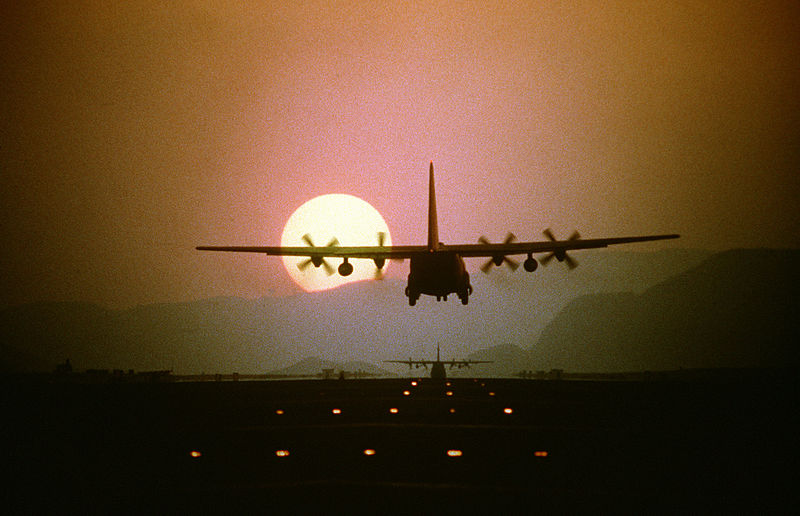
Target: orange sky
[[132, 133]]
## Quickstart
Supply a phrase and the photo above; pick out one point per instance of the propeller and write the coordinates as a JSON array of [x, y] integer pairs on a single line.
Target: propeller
[[380, 262], [499, 259], [561, 254], [317, 260]]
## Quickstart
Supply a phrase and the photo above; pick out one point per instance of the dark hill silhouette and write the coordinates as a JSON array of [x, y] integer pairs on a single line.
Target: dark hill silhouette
[[737, 309], [368, 321], [506, 359], [221, 334]]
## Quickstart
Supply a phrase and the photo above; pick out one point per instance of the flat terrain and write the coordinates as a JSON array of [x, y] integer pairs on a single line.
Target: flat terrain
[[480, 445]]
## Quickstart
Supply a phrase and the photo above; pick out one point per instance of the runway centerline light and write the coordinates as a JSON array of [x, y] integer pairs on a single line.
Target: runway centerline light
[[336, 411], [491, 393], [452, 411], [369, 452], [393, 410], [449, 393], [454, 453], [406, 393], [279, 412], [281, 453], [508, 410], [413, 384], [195, 454], [540, 453]]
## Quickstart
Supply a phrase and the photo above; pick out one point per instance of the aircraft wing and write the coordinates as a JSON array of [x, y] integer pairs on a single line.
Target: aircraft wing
[[551, 246], [371, 252], [410, 363], [466, 250], [465, 362]]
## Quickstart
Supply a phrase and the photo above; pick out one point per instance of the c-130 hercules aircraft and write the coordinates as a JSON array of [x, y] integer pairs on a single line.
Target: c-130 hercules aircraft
[[438, 269], [437, 366]]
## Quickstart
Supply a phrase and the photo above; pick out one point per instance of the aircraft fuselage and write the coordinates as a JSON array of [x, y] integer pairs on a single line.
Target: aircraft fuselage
[[438, 273]]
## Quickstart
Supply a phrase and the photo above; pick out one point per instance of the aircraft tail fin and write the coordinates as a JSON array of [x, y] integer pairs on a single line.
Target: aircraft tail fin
[[433, 227]]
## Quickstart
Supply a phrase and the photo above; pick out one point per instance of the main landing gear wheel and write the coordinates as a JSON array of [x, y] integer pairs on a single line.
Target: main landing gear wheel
[[464, 295], [412, 297]]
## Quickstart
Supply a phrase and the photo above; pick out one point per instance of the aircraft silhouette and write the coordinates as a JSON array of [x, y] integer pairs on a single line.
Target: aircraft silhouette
[[438, 371], [438, 269]]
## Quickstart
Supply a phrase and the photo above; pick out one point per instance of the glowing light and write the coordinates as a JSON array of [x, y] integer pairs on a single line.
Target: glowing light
[[279, 412], [508, 410], [369, 452], [406, 393], [195, 454], [454, 453], [452, 411], [352, 221], [393, 410], [491, 394], [448, 384], [282, 453], [540, 453], [336, 411], [449, 393], [413, 384]]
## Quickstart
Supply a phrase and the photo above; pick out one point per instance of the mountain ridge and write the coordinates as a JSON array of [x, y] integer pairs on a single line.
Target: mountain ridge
[[368, 321], [738, 308]]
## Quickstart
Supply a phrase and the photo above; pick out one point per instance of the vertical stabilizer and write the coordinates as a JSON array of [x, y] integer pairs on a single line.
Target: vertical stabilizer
[[433, 227]]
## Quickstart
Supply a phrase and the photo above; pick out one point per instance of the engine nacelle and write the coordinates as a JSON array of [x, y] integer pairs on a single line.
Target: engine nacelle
[[530, 264]]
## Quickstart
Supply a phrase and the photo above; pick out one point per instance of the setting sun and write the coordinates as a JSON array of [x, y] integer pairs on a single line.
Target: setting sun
[[347, 219]]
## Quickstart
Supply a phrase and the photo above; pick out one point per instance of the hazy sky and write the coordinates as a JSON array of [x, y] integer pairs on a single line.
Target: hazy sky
[[134, 131]]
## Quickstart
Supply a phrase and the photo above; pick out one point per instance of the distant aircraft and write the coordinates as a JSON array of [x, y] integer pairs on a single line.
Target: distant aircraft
[[438, 269], [437, 366]]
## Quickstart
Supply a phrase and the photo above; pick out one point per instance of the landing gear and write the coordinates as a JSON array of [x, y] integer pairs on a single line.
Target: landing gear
[[464, 295], [412, 296]]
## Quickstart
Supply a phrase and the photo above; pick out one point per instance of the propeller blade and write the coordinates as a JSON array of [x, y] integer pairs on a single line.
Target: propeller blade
[[561, 255], [304, 264], [329, 270], [496, 260], [512, 264]]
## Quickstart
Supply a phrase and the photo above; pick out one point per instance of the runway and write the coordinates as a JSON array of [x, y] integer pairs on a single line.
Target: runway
[[403, 445]]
